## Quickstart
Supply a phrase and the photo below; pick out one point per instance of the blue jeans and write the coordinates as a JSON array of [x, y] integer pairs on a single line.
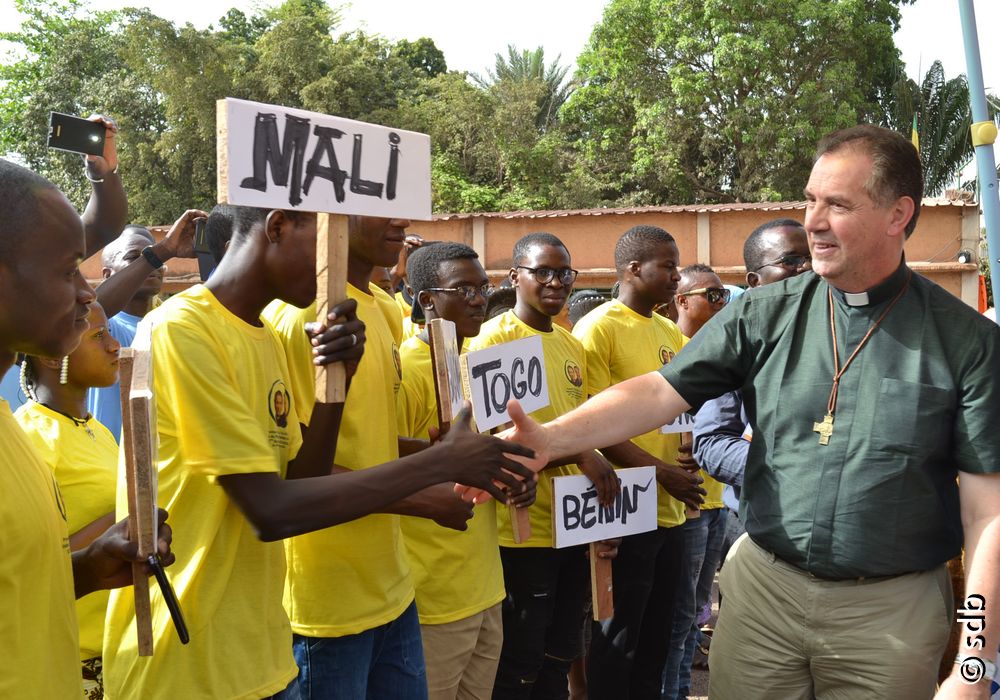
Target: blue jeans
[[627, 651], [289, 693], [383, 662], [704, 538]]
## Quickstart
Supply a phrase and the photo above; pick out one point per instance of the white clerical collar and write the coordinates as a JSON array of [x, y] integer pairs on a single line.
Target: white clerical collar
[[859, 299]]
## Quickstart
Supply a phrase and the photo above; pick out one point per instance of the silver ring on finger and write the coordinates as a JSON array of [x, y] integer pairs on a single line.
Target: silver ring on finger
[[354, 340]]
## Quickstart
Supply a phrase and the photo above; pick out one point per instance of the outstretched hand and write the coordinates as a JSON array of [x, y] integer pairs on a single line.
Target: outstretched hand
[[484, 463]]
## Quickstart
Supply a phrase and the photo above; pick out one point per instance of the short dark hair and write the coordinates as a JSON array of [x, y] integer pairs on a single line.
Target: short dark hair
[[501, 301], [582, 302], [19, 189], [753, 247], [424, 264], [524, 245], [639, 243], [896, 169], [691, 271], [116, 248], [219, 228]]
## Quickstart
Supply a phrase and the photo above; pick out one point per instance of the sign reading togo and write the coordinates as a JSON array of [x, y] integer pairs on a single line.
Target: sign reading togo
[[495, 375], [285, 158], [578, 518]]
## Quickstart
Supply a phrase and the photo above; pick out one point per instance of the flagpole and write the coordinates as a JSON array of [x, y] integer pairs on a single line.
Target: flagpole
[[984, 133]]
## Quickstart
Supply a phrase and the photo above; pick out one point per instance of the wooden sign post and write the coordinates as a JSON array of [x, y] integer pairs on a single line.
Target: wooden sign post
[[578, 518], [282, 158], [139, 442], [447, 370], [331, 288], [682, 425]]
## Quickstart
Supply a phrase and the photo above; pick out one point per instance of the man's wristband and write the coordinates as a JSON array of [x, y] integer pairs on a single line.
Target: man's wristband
[[975, 668], [152, 258], [86, 174]]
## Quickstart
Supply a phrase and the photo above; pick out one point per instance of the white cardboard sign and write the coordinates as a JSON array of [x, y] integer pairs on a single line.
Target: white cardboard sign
[[495, 375], [684, 423], [284, 158], [578, 518]]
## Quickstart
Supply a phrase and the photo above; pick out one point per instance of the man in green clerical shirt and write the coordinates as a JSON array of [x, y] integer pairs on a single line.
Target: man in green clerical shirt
[[875, 411]]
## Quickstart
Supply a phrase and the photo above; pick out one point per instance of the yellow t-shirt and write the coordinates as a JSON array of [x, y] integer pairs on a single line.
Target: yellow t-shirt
[[86, 466], [713, 488], [289, 322], [565, 363], [410, 328], [215, 379], [39, 649], [456, 574], [353, 577], [622, 344]]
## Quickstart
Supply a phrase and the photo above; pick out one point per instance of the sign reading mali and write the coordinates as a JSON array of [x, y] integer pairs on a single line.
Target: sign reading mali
[[284, 158], [578, 518]]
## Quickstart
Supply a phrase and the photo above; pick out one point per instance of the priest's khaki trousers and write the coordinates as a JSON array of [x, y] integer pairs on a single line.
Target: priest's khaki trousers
[[783, 633]]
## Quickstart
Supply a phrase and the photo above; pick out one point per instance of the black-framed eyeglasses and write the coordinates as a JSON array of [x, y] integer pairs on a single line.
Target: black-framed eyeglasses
[[467, 290], [713, 294], [544, 275], [792, 261]]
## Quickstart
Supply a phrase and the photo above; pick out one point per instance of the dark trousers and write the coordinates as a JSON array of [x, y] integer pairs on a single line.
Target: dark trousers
[[628, 650], [542, 620]]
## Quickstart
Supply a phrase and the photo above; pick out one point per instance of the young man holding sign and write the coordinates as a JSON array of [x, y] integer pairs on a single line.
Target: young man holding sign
[[624, 338], [227, 418], [546, 588], [457, 575]]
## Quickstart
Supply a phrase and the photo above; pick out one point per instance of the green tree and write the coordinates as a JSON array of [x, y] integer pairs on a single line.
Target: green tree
[[422, 55], [943, 116], [724, 100], [529, 66]]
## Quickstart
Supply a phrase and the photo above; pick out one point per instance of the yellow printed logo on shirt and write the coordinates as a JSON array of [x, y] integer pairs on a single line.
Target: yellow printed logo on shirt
[[573, 373], [279, 403]]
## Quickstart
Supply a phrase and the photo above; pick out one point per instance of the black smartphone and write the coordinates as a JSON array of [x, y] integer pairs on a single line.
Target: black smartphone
[[169, 598], [206, 260], [76, 135]]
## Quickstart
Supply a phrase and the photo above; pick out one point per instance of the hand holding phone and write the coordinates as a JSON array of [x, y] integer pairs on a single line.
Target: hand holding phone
[[76, 135]]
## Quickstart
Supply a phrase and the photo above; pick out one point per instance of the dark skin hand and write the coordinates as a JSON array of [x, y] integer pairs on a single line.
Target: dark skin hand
[[115, 292], [107, 561], [606, 549], [680, 483], [601, 473], [280, 509]]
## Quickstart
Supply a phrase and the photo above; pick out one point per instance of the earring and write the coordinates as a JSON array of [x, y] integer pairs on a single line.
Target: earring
[[64, 370]]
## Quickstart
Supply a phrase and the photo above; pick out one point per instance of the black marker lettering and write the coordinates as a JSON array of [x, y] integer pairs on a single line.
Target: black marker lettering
[[501, 404], [333, 173], [481, 371], [535, 376], [390, 178], [571, 512], [519, 387], [588, 508], [266, 151], [359, 185]]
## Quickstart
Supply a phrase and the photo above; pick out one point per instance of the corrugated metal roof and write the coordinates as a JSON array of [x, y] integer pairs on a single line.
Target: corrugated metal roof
[[669, 209]]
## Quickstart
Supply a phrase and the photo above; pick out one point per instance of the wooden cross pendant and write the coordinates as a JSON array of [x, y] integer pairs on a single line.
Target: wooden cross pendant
[[825, 429]]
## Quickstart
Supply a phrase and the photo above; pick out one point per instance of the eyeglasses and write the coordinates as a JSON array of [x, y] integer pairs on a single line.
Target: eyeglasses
[[791, 261], [467, 290], [544, 275], [713, 294]]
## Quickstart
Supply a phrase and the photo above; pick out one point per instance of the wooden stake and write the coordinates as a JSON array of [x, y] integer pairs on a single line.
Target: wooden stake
[[520, 523], [444, 353], [221, 152], [139, 446], [689, 512], [331, 289], [601, 588]]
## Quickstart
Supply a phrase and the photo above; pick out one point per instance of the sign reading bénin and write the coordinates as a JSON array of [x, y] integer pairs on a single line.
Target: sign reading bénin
[[284, 158]]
